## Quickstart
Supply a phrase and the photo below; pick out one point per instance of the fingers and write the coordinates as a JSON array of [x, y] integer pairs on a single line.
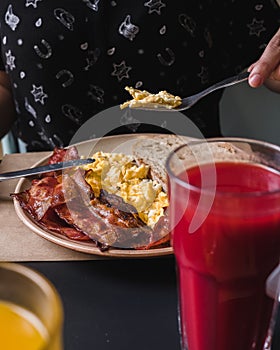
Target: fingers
[[268, 65]]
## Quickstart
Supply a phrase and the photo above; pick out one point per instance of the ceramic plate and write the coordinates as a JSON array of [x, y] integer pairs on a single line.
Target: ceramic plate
[[119, 144]]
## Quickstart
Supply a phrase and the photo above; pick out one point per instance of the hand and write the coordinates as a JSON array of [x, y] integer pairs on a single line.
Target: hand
[[267, 69]]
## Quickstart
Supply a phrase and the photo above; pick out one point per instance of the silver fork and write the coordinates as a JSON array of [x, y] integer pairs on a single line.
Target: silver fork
[[188, 102]]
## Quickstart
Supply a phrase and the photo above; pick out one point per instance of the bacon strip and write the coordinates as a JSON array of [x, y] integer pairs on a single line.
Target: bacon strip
[[38, 199], [63, 155], [53, 223], [101, 220]]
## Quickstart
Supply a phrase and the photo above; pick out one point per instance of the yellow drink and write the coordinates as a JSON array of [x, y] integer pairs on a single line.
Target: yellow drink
[[20, 329]]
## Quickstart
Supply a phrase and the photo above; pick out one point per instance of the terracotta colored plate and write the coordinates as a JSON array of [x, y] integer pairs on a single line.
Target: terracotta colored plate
[[120, 144]]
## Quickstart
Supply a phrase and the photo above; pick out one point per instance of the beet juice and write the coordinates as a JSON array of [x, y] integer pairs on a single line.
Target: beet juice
[[224, 263]]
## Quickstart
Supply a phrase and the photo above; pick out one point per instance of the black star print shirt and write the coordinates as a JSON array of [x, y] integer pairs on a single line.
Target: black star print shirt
[[70, 59]]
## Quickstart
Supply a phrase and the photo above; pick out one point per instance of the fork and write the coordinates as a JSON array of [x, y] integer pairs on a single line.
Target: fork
[[188, 102]]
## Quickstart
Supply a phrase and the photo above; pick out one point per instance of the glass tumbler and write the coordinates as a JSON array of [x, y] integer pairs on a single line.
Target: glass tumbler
[[31, 311], [225, 231]]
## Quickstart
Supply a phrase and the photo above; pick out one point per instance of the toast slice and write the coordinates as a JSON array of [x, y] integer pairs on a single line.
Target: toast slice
[[153, 151]]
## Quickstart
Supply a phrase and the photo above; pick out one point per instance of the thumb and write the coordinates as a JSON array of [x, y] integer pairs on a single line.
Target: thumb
[[268, 65]]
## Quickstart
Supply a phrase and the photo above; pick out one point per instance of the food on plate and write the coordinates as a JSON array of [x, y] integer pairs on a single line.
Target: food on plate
[[119, 174], [113, 202], [153, 152], [143, 98]]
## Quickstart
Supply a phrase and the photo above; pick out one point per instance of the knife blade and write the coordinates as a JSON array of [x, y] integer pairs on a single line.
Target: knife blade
[[44, 169]]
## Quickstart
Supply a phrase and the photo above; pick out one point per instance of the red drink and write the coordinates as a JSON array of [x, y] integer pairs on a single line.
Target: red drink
[[224, 263]]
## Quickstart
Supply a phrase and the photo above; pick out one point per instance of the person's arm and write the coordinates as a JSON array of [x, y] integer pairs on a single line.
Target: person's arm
[[267, 69], [7, 107]]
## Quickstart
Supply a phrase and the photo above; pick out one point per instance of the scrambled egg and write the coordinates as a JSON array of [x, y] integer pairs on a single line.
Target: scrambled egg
[[119, 174], [145, 98]]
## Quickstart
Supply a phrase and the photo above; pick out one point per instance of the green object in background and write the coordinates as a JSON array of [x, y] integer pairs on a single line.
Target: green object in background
[[12, 145], [8, 144]]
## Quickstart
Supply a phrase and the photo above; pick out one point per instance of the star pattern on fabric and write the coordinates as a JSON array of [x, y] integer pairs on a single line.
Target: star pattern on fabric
[[121, 70], [127, 53], [155, 6], [256, 27], [10, 60], [32, 3], [38, 93]]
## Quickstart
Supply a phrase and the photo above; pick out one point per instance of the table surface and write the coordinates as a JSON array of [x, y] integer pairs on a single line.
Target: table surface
[[117, 304], [125, 304]]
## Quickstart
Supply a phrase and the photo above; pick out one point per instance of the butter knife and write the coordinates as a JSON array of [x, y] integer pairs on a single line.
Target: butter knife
[[44, 169]]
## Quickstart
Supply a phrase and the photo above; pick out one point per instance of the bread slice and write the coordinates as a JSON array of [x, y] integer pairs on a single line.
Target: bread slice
[[153, 151]]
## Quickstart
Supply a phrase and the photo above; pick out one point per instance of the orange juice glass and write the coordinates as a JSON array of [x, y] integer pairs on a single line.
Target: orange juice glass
[[31, 312]]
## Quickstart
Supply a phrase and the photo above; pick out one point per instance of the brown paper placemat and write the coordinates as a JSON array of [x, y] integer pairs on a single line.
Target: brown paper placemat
[[18, 242], [17, 161]]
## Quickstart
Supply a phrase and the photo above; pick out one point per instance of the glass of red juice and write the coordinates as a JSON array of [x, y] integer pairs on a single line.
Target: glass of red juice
[[225, 231]]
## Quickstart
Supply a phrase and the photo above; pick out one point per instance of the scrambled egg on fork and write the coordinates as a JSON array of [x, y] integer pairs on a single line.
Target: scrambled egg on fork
[[118, 174], [145, 98]]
